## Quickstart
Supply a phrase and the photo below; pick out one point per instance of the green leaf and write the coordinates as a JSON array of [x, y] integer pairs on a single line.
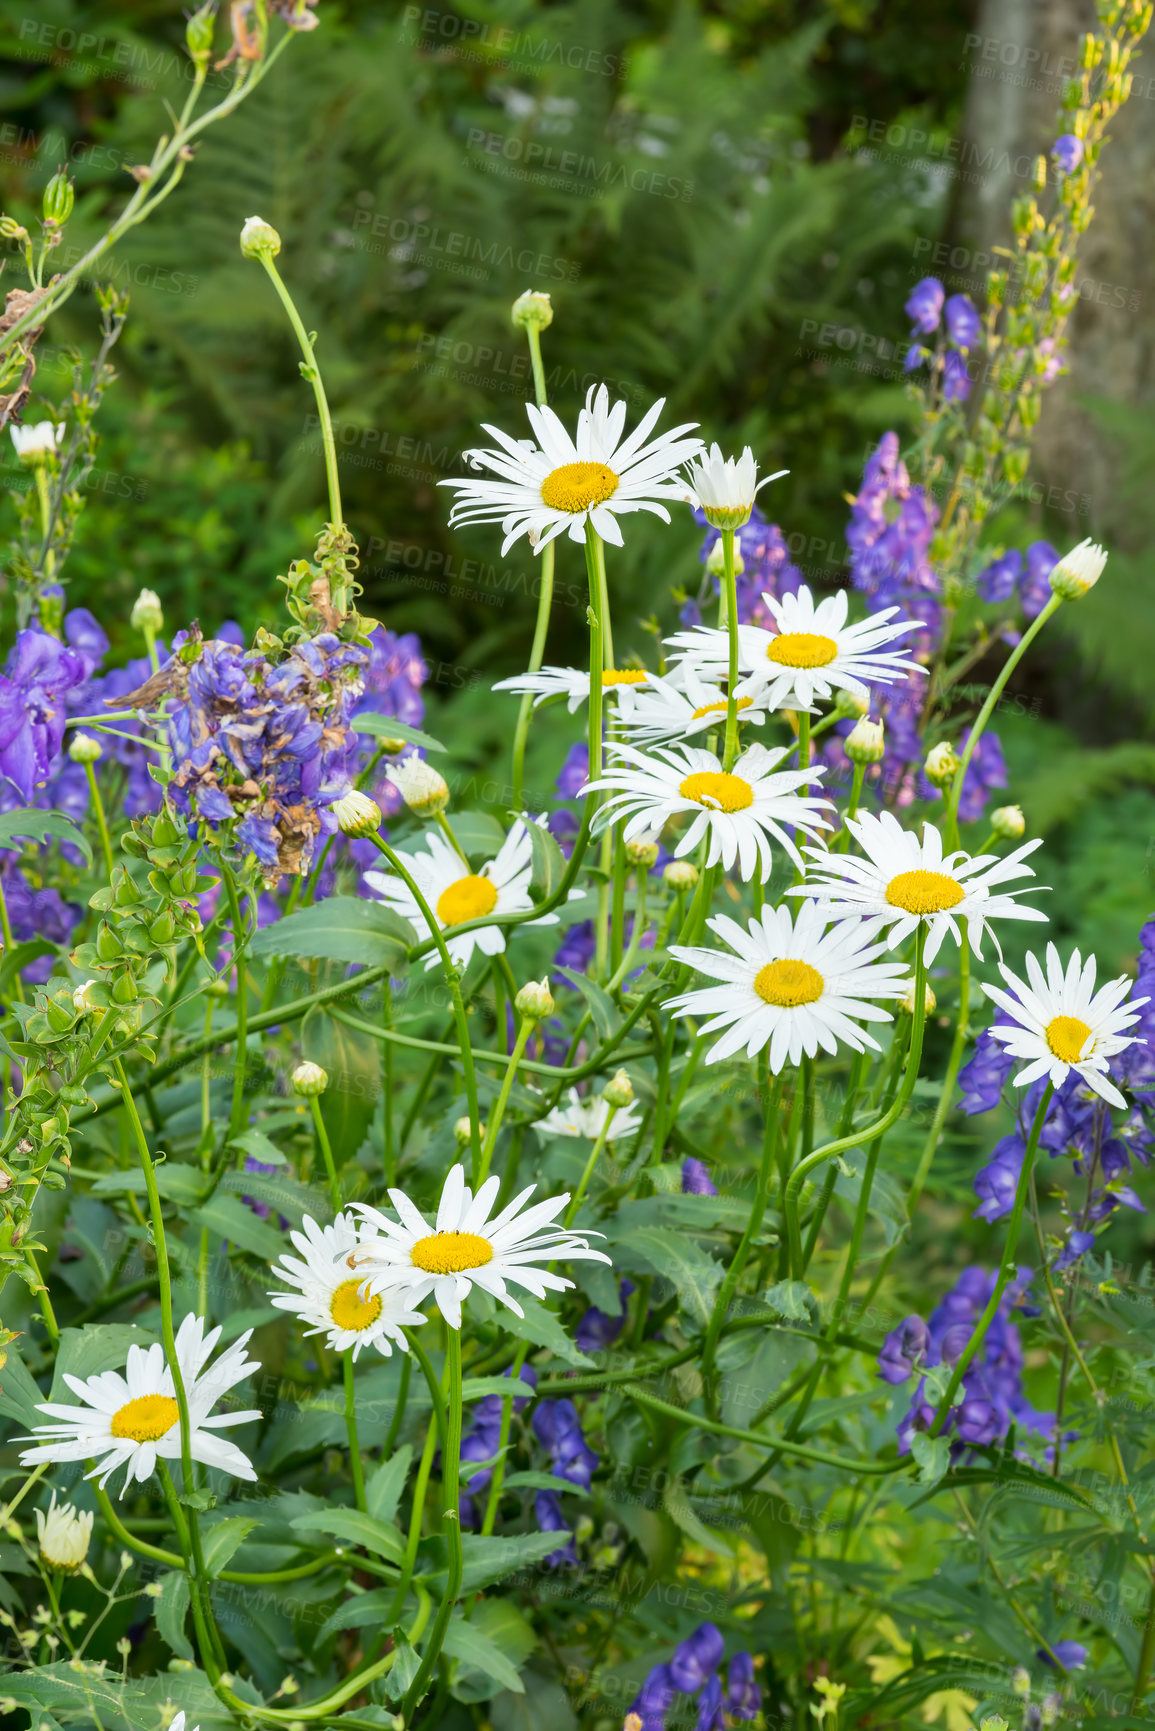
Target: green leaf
[[405, 1667], [89, 1351], [341, 929], [542, 1328], [533, 1481], [679, 1258], [477, 1387], [470, 1644], [170, 1611], [226, 1537], [355, 1528], [549, 862], [490, 1559], [19, 1393], [352, 1062], [384, 1486], [790, 1299], [184, 1185], [932, 1455], [227, 1217], [606, 1019], [256, 1143], [677, 1506], [285, 1195], [363, 1610], [478, 834], [31, 825], [388, 727]]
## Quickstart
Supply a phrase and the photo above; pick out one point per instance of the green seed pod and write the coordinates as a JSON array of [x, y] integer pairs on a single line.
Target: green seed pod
[[58, 198], [108, 946]]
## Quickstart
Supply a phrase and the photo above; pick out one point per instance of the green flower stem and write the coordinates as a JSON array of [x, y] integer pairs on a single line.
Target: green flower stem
[[855, 1138], [298, 1572], [433, 1383], [631, 955], [241, 1053], [955, 792], [326, 1148], [43, 1297], [556, 1072], [101, 820], [398, 1418], [1006, 1266], [842, 840], [389, 1149], [450, 1527], [761, 1439], [33, 1478], [355, 1466], [208, 1635], [6, 934], [312, 372], [544, 597], [772, 1094], [595, 1155], [853, 1083], [452, 980], [493, 1123], [804, 739], [493, 1500], [730, 607], [206, 1160], [416, 1517]]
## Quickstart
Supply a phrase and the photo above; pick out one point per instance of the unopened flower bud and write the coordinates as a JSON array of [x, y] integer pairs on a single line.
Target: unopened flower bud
[[147, 613], [10, 229], [309, 1080], [941, 764], [82, 998], [681, 874], [716, 560], [642, 850], [1008, 822], [424, 791], [357, 815], [198, 33], [535, 1000], [1021, 1680], [618, 1091], [83, 748], [259, 239], [866, 742], [63, 1535], [33, 444], [1052, 1707], [906, 1002], [464, 1135], [58, 198], [532, 311], [1078, 571], [848, 703]]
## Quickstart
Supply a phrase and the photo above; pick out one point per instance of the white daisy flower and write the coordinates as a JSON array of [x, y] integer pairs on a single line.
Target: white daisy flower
[[465, 1247], [586, 1117], [791, 983], [330, 1297], [456, 894], [63, 1534], [573, 683], [132, 1419], [904, 880], [813, 652], [178, 1722], [725, 488], [1063, 1024], [739, 808], [559, 484], [37, 441], [668, 710]]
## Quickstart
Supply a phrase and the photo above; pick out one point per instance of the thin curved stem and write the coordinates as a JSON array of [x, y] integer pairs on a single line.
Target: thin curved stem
[[450, 1527]]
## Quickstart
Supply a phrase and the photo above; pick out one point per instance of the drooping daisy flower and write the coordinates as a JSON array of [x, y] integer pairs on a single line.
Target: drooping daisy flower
[[791, 983], [725, 488], [465, 1247], [573, 683], [813, 652], [330, 1296], [132, 1419], [456, 894], [559, 484], [739, 808], [31, 443], [580, 1116], [1061, 1023], [904, 880], [63, 1534], [673, 709]]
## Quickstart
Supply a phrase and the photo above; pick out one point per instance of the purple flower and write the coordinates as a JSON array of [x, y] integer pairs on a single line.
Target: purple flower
[[1072, 1655], [655, 1698], [916, 356], [696, 1180], [1001, 578], [982, 1080], [710, 1716], [1077, 1245], [769, 570], [962, 322], [1068, 152], [903, 1350], [986, 774], [40, 678], [743, 1694], [34, 913], [695, 1657], [1036, 589], [547, 1513], [558, 1428], [924, 307], [956, 380], [996, 1183], [597, 1331]]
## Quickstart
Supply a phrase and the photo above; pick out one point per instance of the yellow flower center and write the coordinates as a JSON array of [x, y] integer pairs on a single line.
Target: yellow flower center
[[716, 789], [468, 899], [577, 487], [145, 1419], [802, 649], [1067, 1036], [713, 708], [627, 676], [349, 1310], [451, 1252], [922, 892], [786, 984]]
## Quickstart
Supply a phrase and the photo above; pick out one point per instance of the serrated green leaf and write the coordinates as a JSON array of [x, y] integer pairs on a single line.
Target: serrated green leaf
[[477, 1387], [534, 1481], [470, 1644], [549, 863], [355, 1528], [385, 1485], [28, 824], [362, 1611], [88, 1351], [541, 1327], [341, 929], [932, 1455], [227, 1536], [170, 1610], [19, 1393], [678, 1258], [790, 1299], [603, 1012]]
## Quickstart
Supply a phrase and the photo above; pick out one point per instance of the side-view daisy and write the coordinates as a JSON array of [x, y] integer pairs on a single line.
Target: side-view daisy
[[585, 1116], [738, 809], [466, 1247], [813, 652], [791, 983], [666, 710], [559, 484], [1060, 1023], [133, 1419], [725, 488], [456, 894], [904, 880], [329, 1295], [573, 683]]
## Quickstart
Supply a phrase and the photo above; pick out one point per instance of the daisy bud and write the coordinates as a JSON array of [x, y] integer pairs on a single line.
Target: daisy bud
[[357, 815], [259, 239], [847, 703], [392, 746], [152, 1590], [58, 198], [1021, 1680], [535, 1000], [681, 874], [632, 1722], [81, 999], [424, 791], [1078, 571], [147, 613], [63, 1534], [309, 1080], [32, 444], [941, 764], [532, 311], [642, 851], [84, 749], [1008, 822], [463, 1134], [716, 560], [724, 488], [906, 1002], [866, 742], [618, 1091]]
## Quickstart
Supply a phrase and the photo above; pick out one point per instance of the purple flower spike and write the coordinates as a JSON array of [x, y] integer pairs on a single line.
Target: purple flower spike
[[962, 322], [710, 1717], [743, 1694], [1000, 579], [695, 1657], [956, 381], [1036, 590], [903, 1350], [1072, 1655], [983, 1079], [924, 307], [996, 1183], [1068, 152], [696, 1180]]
